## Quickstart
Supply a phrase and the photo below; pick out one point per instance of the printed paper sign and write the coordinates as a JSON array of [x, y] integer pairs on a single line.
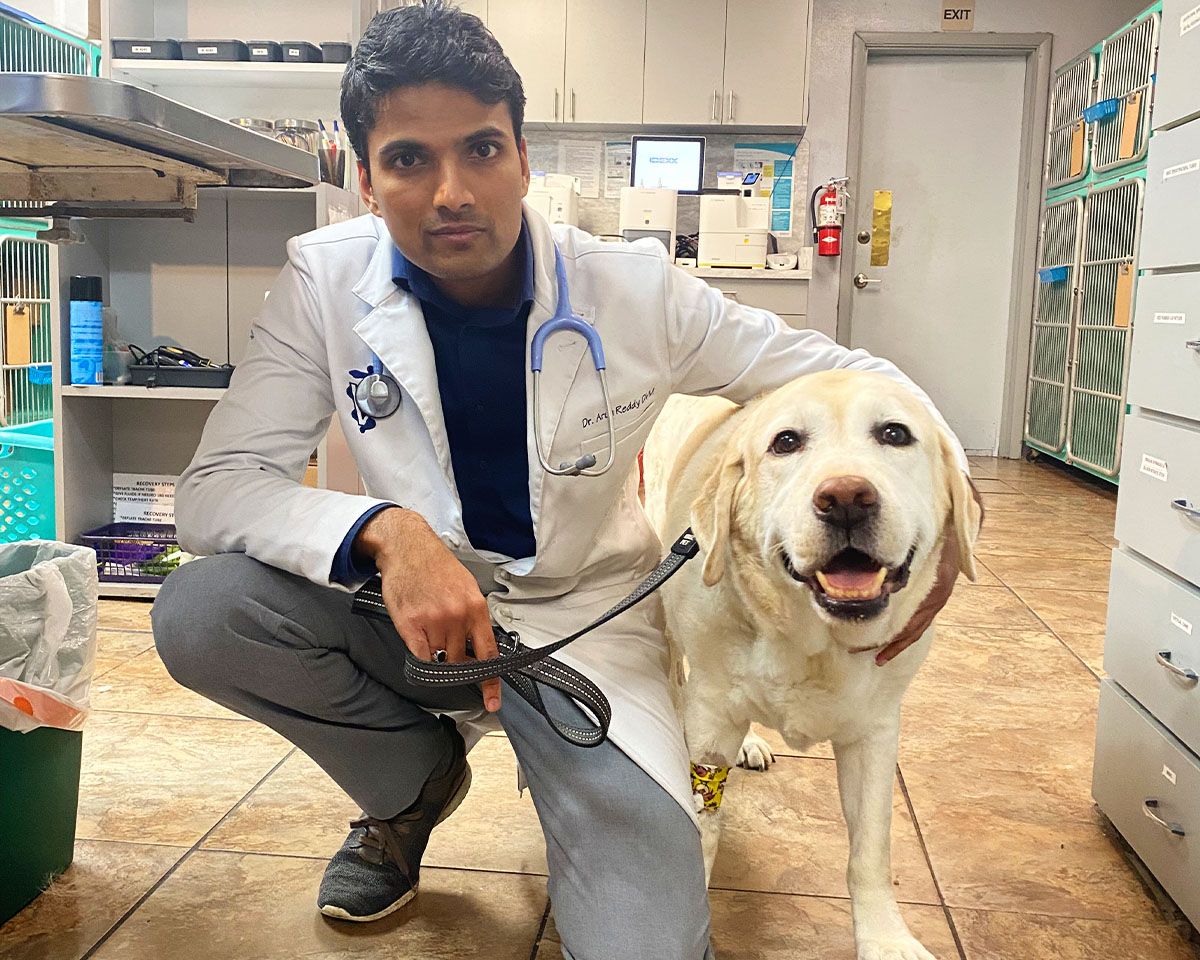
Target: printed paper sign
[[1178, 621], [958, 14], [1153, 467], [1180, 169], [1189, 21], [1170, 318], [143, 498]]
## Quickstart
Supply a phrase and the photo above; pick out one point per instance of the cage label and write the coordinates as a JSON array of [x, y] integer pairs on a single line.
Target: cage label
[[1178, 318], [1168, 774], [1178, 621], [1189, 21], [1180, 169], [1153, 467]]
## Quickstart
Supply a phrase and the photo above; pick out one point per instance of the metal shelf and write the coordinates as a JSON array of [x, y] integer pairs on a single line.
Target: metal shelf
[[113, 591], [209, 394], [209, 73]]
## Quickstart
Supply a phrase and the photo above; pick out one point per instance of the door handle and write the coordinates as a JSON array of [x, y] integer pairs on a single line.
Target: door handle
[[861, 280], [572, 103], [1149, 806], [556, 103], [716, 106], [1187, 508], [1192, 345], [730, 117], [1189, 677]]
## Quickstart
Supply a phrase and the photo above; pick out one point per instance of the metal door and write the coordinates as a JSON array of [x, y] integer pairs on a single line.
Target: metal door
[[1055, 301], [25, 330], [1121, 114], [1068, 144], [1112, 220]]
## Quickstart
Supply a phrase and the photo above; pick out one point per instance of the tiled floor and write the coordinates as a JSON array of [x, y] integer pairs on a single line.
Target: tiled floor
[[202, 835]]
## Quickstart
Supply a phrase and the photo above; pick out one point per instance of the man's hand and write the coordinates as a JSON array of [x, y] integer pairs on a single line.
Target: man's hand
[[432, 598]]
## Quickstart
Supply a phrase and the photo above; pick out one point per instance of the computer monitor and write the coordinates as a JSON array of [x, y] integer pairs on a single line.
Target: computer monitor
[[676, 163]]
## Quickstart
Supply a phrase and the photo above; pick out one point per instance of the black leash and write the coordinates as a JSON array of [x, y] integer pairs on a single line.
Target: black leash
[[524, 668]]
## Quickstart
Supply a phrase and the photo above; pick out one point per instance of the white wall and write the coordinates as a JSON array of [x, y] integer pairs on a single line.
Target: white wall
[[69, 15], [1075, 24]]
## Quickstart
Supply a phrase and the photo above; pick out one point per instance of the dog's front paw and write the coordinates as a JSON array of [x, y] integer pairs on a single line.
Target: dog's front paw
[[755, 753], [897, 947]]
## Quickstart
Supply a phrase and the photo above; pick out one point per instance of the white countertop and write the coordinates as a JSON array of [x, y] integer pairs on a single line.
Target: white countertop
[[734, 273]]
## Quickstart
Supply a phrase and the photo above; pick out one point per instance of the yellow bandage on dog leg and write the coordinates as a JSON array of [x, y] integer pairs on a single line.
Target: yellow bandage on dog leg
[[708, 787]]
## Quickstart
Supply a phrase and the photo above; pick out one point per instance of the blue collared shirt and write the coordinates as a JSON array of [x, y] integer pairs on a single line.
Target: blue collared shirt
[[479, 353]]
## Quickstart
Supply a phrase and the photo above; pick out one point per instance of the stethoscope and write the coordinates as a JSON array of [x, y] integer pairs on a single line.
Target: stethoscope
[[378, 394]]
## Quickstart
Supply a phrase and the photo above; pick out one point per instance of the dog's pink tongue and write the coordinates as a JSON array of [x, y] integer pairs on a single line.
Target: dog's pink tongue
[[851, 580]]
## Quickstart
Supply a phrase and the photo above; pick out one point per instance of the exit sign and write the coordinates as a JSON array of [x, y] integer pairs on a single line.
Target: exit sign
[[958, 14]]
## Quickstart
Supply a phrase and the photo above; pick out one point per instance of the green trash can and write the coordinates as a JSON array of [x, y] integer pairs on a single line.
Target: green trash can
[[48, 613], [39, 797]]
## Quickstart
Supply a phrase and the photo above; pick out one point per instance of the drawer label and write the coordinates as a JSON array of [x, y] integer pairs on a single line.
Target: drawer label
[[1189, 21], [1178, 621], [260, 51], [1153, 467], [1170, 318], [212, 51], [138, 48], [1168, 774], [1180, 169]]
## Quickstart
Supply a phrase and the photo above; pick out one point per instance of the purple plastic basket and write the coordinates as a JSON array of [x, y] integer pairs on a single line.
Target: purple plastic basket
[[123, 548]]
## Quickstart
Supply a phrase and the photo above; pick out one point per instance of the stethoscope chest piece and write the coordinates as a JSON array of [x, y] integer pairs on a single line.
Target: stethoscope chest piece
[[377, 395]]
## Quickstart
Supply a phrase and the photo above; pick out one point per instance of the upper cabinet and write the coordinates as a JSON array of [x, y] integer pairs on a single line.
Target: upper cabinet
[[606, 44], [766, 62], [533, 34], [685, 68]]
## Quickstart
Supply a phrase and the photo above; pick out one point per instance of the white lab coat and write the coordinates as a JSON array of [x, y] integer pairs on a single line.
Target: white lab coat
[[664, 332]]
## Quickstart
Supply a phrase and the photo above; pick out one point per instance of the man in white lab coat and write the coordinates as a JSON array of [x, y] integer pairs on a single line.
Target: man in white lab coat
[[441, 288]]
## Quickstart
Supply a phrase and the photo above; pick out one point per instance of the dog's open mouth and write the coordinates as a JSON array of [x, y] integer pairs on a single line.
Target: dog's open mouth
[[853, 584]]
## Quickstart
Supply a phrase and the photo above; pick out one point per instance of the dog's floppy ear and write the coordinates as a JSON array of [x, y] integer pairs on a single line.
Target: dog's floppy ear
[[712, 513], [966, 514]]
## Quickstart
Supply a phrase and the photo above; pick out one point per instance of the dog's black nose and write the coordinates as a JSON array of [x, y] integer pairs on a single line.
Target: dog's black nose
[[845, 502]]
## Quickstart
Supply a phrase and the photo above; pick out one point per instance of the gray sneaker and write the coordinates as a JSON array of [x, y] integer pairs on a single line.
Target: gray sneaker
[[377, 870]]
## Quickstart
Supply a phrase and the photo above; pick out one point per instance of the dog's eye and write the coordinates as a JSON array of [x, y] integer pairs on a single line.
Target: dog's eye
[[894, 435], [789, 441]]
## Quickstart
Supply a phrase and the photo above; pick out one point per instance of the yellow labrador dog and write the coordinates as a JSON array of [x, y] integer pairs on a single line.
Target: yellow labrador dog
[[821, 510]]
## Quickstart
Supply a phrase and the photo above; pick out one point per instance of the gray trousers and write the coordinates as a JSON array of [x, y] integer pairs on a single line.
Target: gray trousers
[[626, 868]]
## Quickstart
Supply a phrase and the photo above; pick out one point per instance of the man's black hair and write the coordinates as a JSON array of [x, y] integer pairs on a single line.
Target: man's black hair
[[429, 42]]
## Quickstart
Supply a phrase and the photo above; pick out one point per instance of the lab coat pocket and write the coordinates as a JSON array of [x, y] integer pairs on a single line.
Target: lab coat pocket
[[625, 428]]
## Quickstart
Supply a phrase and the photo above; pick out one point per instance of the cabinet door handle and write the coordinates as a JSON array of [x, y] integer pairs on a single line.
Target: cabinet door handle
[[1192, 344], [1187, 508], [556, 103], [1149, 806], [572, 103], [716, 106], [730, 117], [1189, 677]]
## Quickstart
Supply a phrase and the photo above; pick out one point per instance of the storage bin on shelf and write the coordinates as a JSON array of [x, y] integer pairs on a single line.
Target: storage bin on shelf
[[134, 552], [27, 482]]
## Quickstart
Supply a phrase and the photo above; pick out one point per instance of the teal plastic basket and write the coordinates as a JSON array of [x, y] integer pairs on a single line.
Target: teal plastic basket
[[27, 482]]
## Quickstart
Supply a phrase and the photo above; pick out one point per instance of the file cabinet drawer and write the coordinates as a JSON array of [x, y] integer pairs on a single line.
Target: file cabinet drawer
[[1158, 510], [1165, 367], [1152, 647], [1169, 234], [1148, 784]]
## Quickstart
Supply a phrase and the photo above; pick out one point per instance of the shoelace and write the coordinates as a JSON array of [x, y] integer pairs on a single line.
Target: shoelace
[[383, 837]]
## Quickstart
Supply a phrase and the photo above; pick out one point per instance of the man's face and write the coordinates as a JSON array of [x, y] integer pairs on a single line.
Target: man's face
[[447, 177]]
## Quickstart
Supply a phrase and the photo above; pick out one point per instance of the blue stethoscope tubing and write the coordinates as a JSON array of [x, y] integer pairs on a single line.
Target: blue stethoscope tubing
[[378, 395]]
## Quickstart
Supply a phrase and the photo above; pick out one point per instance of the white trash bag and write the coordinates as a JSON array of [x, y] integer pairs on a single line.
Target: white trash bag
[[48, 611]]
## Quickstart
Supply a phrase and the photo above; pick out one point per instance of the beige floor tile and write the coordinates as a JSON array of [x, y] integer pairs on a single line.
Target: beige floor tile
[[220, 906], [1089, 647], [756, 926], [983, 576], [1067, 611], [167, 780], [83, 903], [821, 751], [991, 486], [981, 606], [300, 811], [1021, 842], [125, 615], [122, 645], [784, 833], [1009, 936], [1049, 573], [1029, 544], [142, 685]]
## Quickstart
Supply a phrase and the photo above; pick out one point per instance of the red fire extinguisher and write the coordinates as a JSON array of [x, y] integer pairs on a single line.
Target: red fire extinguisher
[[828, 207]]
